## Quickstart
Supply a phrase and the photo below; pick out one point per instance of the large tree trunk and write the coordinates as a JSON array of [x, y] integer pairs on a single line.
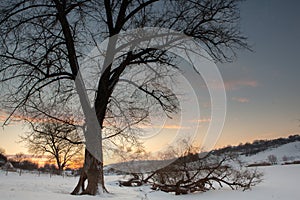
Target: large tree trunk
[[92, 172], [93, 162]]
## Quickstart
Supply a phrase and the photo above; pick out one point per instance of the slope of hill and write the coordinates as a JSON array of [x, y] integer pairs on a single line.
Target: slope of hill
[[284, 153], [284, 149], [249, 149]]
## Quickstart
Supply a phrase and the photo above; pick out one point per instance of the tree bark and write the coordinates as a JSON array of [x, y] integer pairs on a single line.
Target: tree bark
[[92, 168], [92, 172], [80, 185]]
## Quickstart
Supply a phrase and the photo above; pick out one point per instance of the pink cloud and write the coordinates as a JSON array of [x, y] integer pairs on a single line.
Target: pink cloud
[[240, 99], [202, 120], [232, 84], [166, 126], [18, 117], [2, 118], [176, 127], [235, 84]]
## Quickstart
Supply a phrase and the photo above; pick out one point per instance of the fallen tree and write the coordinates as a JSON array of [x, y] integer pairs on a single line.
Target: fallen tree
[[195, 173]]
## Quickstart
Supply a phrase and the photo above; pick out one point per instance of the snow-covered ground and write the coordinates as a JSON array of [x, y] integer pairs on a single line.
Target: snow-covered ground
[[280, 182], [291, 151]]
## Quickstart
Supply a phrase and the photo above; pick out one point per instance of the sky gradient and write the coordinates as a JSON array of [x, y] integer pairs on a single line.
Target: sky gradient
[[264, 94], [262, 86]]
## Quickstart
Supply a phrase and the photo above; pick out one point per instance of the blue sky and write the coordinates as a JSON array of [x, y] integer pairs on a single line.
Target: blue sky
[[262, 86], [269, 108]]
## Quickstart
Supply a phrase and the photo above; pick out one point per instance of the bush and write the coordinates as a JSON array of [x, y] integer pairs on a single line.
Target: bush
[[272, 159]]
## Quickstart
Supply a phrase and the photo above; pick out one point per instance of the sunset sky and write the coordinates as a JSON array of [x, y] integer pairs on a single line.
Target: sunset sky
[[263, 94]]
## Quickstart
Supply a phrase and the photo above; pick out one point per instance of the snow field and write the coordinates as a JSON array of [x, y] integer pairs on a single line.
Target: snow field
[[280, 182]]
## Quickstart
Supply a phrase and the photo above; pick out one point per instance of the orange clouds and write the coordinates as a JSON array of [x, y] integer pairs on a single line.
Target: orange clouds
[[2, 118], [202, 120], [240, 99], [236, 84], [232, 84], [17, 118], [165, 126], [174, 127]]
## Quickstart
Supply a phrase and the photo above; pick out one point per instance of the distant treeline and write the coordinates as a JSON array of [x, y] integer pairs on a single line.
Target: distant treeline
[[3, 157], [257, 146]]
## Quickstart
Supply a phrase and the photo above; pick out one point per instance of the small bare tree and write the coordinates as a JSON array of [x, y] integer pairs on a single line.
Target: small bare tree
[[285, 158], [272, 159], [19, 157], [59, 141]]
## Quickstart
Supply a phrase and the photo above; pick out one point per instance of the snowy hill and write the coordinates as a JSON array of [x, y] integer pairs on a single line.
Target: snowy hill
[[284, 149], [284, 153]]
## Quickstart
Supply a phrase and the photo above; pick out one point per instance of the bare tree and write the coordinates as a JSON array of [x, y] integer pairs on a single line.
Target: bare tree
[[285, 158], [19, 157], [193, 173], [60, 142], [42, 43], [272, 159]]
